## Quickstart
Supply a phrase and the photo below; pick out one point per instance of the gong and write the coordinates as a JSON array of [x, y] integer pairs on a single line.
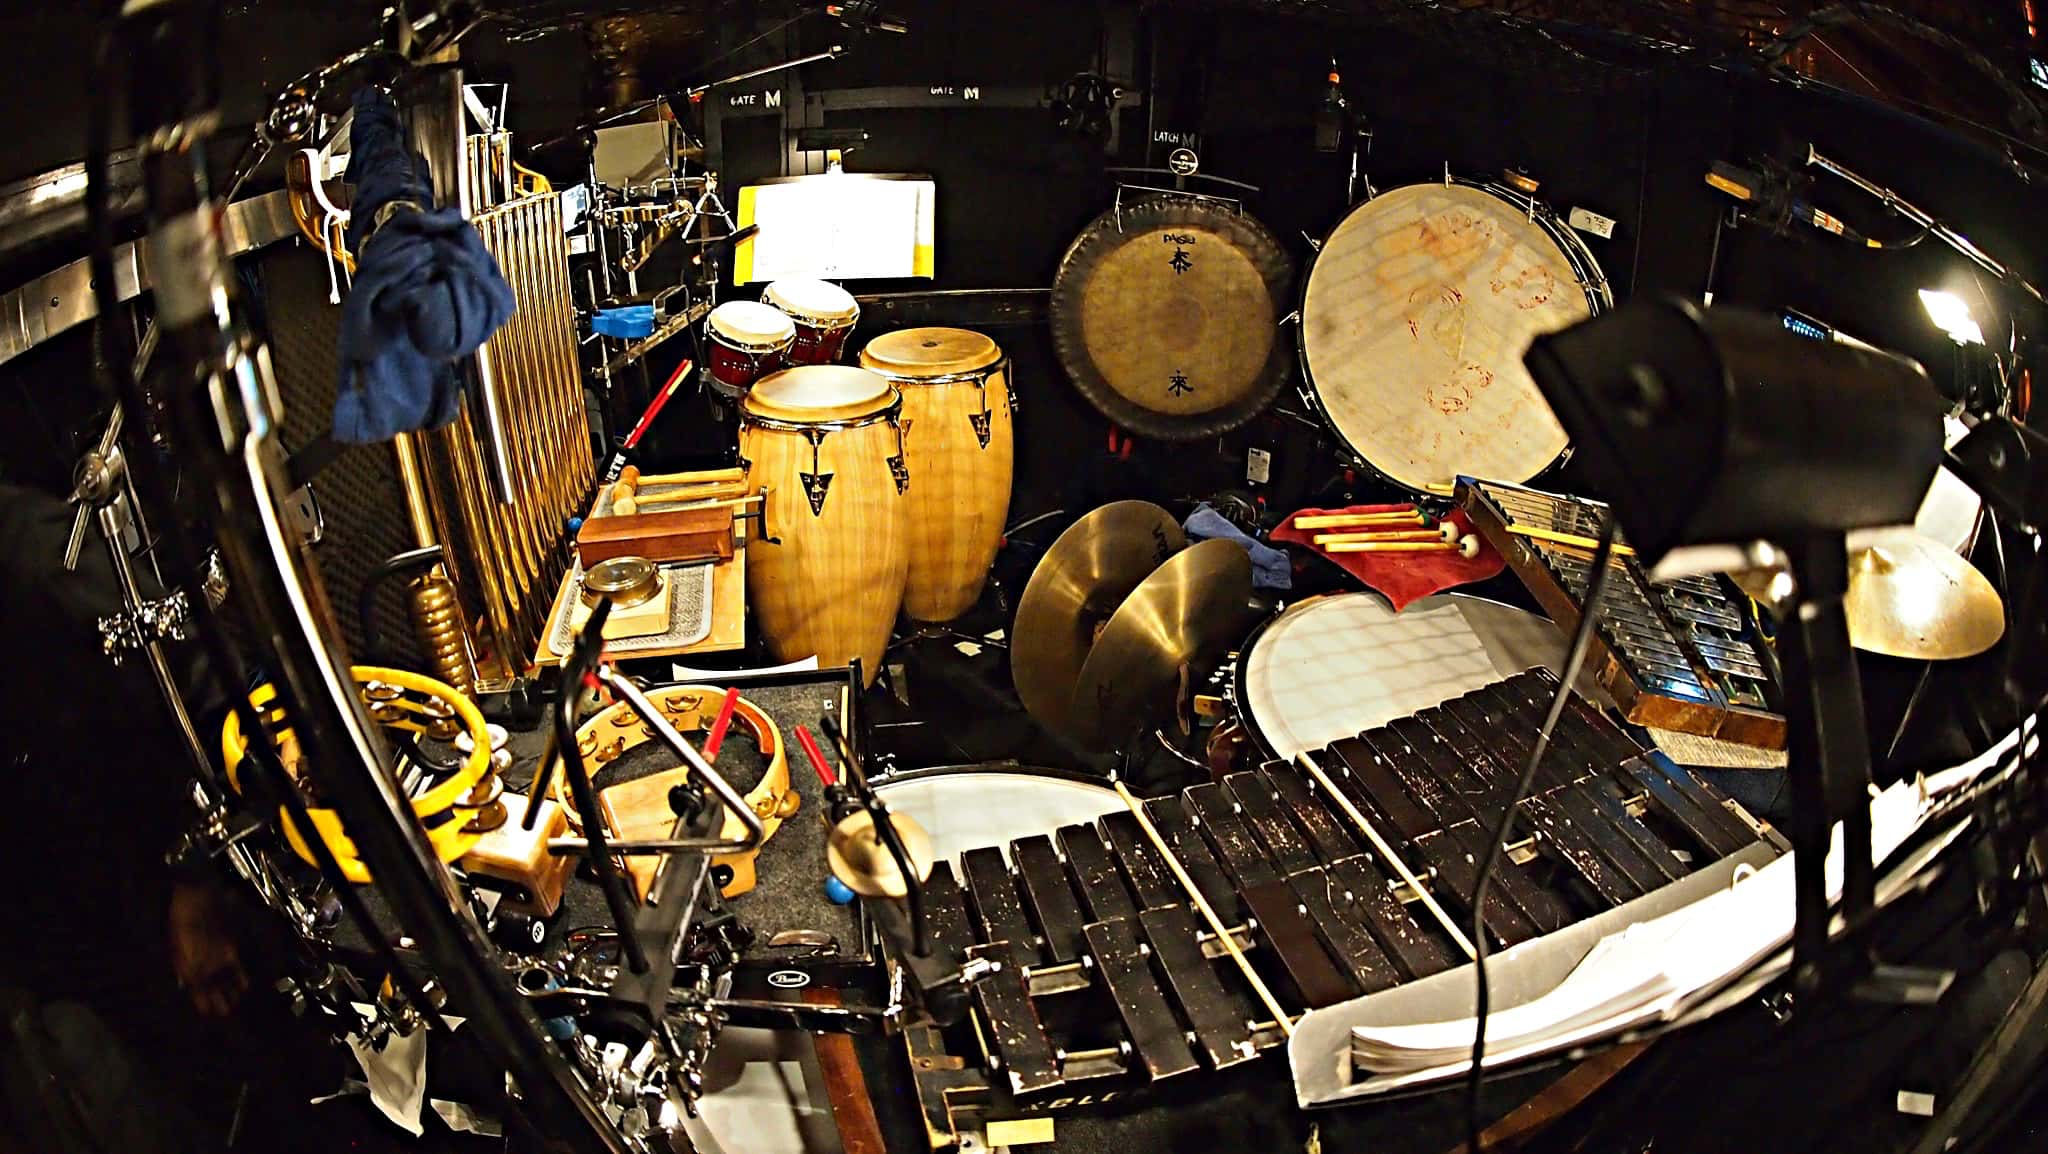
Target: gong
[[1165, 314]]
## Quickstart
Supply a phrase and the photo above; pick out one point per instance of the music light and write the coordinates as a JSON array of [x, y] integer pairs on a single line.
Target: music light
[[1952, 316]]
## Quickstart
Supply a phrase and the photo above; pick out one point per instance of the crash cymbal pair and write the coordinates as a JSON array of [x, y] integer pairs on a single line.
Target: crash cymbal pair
[[1909, 596], [1115, 617]]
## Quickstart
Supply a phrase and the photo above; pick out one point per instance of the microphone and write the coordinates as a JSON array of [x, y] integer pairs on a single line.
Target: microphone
[[1775, 198]]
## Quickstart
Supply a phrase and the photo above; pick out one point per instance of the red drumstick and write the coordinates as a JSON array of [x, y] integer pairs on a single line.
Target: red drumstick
[[818, 762], [654, 407], [718, 727]]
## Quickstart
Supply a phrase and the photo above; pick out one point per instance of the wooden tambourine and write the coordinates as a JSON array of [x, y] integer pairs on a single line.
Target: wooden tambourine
[[400, 700], [639, 810]]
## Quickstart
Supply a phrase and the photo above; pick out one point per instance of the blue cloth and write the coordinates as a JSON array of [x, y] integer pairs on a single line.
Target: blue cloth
[[628, 322], [426, 292], [1270, 567]]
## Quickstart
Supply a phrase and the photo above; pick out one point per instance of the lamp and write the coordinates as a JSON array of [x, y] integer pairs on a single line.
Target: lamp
[[1720, 427], [1952, 316]]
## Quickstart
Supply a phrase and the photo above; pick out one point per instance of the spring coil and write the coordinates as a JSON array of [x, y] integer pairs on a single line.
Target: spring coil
[[437, 620]]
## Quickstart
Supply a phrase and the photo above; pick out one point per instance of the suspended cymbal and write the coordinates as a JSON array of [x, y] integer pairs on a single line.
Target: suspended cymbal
[[1191, 609], [1078, 584], [1910, 596], [858, 857]]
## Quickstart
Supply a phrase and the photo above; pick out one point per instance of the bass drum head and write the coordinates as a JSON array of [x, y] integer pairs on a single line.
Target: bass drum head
[[968, 807], [1414, 321], [1334, 667], [1166, 314]]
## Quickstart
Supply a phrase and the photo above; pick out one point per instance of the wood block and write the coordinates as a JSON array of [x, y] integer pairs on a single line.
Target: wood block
[[519, 858], [679, 535]]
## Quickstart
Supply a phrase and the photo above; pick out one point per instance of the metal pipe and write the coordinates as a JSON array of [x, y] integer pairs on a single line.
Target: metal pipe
[[1926, 220]]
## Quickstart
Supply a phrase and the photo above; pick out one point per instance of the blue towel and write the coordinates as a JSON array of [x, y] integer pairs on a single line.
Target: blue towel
[[426, 292], [1270, 567]]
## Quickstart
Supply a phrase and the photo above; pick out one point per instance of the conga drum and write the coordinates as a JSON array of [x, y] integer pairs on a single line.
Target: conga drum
[[956, 435], [822, 445], [748, 340], [824, 315]]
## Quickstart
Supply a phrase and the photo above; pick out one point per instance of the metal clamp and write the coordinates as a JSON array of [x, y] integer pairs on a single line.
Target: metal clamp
[[165, 619]]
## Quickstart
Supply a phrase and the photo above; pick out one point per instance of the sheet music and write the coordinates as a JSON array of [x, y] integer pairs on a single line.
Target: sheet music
[[837, 227]]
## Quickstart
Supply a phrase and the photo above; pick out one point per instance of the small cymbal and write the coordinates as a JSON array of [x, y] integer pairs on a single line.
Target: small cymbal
[[1914, 597], [858, 857], [1077, 585], [1190, 609]]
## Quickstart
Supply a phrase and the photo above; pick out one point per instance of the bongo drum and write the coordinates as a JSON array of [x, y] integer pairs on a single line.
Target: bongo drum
[[748, 341], [957, 439], [824, 315], [823, 446]]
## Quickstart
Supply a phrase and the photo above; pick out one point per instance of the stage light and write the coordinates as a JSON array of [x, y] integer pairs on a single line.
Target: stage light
[[1952, 316]]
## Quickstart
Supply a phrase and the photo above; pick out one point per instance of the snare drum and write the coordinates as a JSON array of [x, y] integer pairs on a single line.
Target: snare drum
[[824, 315], [966, 807], [1414, 319], [748, 341], [822, 445], [1333, 667]]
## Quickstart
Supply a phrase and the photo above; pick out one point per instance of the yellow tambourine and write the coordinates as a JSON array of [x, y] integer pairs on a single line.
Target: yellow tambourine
[[400, 700]]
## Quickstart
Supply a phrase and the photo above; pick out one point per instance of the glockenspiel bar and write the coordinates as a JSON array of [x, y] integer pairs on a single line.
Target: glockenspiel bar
[[995, 902], [1004, 1000], [1220, 1018], [1314, 816], [1281, 925], [1141, 865], [1237, 850], [1170, 817], [1327, 907]]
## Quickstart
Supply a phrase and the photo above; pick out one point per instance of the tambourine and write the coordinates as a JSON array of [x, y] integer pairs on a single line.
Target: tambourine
[[400, 700], [639, 810]]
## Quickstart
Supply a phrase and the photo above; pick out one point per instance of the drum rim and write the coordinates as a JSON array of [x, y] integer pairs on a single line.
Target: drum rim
[[983, 769], [1070, 345], [895, 368], [980, 376], [885, 406], [849, 314], [1577, 253], [744, 341], [1241, 665]]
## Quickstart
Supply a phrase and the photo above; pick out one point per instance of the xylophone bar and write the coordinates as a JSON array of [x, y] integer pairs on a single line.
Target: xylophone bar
[[1112, 981]]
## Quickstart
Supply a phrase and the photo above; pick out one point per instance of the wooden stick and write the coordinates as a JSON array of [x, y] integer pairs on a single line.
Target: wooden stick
[[1341, 520], [1443, 532], [1572, 539], [1386, 852], [1216, 925], [1469, 547], [632, 475]]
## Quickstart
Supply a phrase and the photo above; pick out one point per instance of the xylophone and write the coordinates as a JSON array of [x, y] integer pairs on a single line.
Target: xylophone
[[1113, 978], [1676, 654]]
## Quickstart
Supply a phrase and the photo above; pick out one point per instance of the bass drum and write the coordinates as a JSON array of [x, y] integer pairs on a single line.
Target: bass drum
[[967, 807], [1333, 667], [1414, 319]]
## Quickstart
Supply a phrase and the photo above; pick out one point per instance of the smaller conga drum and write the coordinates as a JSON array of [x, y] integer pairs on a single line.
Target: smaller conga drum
[[957, 439], [748, 341], [822, 445], [824, 315]]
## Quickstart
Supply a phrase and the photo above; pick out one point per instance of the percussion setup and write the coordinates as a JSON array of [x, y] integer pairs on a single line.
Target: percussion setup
[[1037, 938]]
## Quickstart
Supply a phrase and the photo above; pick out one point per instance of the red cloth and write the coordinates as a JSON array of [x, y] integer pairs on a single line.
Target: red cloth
[[1401, 577]]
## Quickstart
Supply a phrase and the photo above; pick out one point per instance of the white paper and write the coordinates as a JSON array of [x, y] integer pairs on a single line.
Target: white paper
[[397, 1076], [840, 227], [466, 1119]]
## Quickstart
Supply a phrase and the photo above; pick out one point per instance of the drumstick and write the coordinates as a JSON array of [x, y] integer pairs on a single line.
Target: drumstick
[[1444, 532], [718, 727], [1410, 516], [1386, 852], [1216, 925], [1469, 547], [1572, 539], [712, 497]]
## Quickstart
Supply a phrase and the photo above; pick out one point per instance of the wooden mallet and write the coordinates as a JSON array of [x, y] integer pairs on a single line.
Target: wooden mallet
[[1447, 531], [1468, 547]]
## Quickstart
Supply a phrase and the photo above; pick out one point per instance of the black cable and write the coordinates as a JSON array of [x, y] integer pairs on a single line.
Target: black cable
[[143, 467], [588, 652], [1575, 657]]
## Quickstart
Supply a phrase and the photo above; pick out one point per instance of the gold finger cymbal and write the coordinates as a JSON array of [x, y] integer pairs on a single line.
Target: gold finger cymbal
[[1911, 596], [858, 856], [1076, 587], [1190, 610]]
